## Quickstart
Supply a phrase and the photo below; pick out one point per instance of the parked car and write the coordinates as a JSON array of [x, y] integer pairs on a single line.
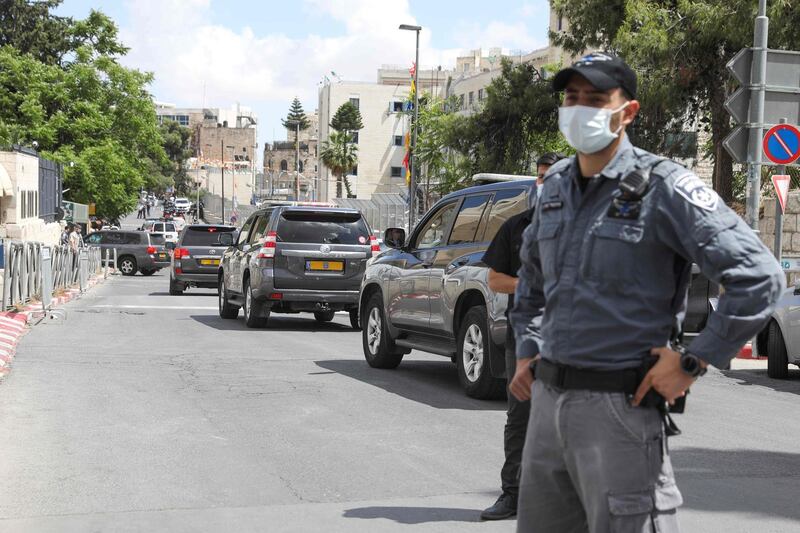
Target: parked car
[[296, 259], [196, 257], [168, 229], [430, 291], [137, 251], [182, 205], [780, 339]]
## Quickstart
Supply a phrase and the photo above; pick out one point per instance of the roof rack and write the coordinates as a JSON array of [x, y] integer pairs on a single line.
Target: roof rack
[[485, 177]]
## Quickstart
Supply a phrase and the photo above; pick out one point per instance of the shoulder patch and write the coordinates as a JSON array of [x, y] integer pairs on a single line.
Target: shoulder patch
[[696, 192], [558, 168]]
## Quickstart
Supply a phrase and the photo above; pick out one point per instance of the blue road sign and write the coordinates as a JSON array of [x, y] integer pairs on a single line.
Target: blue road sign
[[782, 144]]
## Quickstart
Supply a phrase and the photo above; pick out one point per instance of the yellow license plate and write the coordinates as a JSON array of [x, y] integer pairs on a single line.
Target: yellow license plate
[[210, 262], [162, 257], [336, 266]]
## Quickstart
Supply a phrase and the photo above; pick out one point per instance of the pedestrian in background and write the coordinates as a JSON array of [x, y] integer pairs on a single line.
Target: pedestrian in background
[[606, 262], [502, 258], [64, 240]]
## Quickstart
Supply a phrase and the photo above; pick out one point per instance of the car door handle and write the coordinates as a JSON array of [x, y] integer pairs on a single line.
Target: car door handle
[[458, 263]]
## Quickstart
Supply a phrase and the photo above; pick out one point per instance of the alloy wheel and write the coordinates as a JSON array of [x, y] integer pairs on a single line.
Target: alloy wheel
[[126, 267], [472, 353], [248, 302], [374, 330]]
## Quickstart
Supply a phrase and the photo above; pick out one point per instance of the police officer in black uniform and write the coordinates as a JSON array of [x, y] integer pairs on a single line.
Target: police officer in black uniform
[[502, 258], [605, 265]]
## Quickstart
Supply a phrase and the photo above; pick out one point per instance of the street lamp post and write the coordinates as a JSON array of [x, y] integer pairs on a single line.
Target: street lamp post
[[296, 124], [222, 193], [412, 183], [233, 179]]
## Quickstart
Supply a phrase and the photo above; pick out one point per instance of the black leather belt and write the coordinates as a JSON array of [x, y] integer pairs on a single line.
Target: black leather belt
[[570, 377]]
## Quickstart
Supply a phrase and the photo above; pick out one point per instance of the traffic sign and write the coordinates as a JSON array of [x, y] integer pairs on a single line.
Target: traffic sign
[[781, 183], [782, 144]]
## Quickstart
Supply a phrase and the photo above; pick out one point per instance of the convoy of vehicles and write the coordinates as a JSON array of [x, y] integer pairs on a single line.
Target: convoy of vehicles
[[196, 257]]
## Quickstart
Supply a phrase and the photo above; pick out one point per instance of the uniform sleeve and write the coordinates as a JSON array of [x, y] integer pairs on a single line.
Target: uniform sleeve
[[526, 316], [498, 255], [695, 222]]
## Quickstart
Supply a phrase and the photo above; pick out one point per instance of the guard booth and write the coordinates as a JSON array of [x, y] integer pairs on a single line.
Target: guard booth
[[75, 213]]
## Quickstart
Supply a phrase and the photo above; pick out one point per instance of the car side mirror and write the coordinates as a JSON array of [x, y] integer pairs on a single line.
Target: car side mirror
[[169, 245], [394, 237], [226, 239]]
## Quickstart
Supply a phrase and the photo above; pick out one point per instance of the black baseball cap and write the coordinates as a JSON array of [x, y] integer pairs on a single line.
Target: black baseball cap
[[603, 70], [550, 158]]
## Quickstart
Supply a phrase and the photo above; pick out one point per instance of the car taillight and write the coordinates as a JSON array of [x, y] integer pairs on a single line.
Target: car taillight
[[180, 253], [276, 296], [151, 249], [268, 249], [376, 248]]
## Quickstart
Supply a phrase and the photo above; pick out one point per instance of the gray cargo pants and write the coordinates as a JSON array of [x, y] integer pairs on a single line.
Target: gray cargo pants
[[593, 463]]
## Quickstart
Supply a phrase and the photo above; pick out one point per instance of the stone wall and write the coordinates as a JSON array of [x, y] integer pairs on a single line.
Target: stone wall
[[790, 246]]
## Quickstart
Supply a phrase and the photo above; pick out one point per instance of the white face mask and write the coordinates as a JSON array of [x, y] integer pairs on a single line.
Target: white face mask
[[588, 129]]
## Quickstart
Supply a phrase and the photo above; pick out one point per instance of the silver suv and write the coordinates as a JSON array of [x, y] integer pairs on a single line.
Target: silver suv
[[430, 292], [295, 259]]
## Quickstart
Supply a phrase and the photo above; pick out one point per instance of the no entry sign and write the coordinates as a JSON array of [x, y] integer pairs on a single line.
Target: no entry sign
[[782, 144]]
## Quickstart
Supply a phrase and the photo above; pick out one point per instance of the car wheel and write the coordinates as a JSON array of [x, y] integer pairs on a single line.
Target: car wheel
[[379, 348], [252, 308], [323, 316], [473, 357], [777, 358], [176, 288], [226, 310], [147, 272], [354, 319], [127, 265]]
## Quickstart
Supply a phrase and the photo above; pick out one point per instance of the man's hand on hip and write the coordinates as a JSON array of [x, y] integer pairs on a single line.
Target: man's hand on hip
[[666, 377], [523, 379]]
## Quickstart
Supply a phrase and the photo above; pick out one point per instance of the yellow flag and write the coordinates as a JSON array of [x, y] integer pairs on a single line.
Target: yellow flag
[[413, 88], [408, 176]]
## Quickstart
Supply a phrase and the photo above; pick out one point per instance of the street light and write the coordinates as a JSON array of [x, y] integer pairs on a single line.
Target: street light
[[233, 173], [412, 183], [296, 123]]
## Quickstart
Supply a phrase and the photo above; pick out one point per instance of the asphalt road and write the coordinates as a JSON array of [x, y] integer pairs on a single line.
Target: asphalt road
[[145, 412]]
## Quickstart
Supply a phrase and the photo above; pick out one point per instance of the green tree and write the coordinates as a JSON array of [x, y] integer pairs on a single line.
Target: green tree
[[347, 118], [340, 156], [679, 49], [296, 114], [176, 140]]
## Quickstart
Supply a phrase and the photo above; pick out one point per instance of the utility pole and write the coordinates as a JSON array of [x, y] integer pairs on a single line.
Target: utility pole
[[222, 193], [297, 160], [758, 91], [412, 183]]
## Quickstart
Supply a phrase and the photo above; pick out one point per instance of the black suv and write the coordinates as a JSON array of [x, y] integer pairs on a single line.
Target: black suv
[[430, 292], [295, 259]]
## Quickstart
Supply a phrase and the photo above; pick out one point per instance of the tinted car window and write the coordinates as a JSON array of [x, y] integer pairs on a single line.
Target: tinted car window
[[157, 239], [507, 203], [433, 234], [169, 227], [112, 237], [260, 229], [468, 219], [321, 227], [94, 238], [134, 238], [245, 230], [204, 236]]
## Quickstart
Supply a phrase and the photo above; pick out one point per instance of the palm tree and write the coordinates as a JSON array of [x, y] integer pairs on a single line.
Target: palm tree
[[340, 155]]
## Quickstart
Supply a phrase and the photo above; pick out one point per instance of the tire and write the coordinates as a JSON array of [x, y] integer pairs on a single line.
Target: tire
[[777, 358], [176, 288], [354, 322], [147, 272], [379, 348], [324, 316], [473, 357], [127, 265], [226, 310], [252, 309]]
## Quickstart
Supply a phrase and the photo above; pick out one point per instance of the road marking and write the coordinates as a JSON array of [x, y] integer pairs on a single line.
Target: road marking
[[110, 306]]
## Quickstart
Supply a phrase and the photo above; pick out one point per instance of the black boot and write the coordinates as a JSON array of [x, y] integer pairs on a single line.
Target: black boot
[[504, 507]]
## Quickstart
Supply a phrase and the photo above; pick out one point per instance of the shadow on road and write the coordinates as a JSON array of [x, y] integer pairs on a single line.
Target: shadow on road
[[191, 293], [274, 324], [739, 481], [759, 377], [415, 515], [434, 383]]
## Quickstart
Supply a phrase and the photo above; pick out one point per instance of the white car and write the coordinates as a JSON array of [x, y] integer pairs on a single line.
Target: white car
[[168, 229], [780, 339], [182, 205]]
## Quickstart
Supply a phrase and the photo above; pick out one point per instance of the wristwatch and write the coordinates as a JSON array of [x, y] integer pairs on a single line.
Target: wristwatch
[[690, 364]]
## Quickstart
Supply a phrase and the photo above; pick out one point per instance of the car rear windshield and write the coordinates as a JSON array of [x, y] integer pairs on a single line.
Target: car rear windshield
[[205, 236], [321, 227], [157, 239]]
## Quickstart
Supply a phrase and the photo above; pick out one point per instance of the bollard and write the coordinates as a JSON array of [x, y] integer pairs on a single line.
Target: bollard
[[105, 264]]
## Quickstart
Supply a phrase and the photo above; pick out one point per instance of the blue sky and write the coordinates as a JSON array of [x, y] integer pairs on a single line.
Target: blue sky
[[262, 54]]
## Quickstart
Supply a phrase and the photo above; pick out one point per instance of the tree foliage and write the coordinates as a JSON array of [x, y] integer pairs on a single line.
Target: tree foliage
[[296, 114], [176, 140], [679, 49], [82, 108], [347, 118], [340, 156]]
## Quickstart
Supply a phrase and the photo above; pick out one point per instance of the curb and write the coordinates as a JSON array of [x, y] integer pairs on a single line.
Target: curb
[[15, 324]]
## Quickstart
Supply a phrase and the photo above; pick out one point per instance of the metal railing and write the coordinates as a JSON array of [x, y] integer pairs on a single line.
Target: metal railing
[[27, 264]]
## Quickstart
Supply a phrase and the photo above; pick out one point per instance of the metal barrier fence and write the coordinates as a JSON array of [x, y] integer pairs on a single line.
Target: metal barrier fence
[[27, 264], [383, 210]]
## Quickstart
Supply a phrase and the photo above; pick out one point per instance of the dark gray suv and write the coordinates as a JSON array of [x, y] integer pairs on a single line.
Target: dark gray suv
[[196, 257], [296, 259], [137, 251]]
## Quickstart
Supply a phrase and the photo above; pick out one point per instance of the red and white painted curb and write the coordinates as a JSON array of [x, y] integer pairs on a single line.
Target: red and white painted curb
[[15, 324]]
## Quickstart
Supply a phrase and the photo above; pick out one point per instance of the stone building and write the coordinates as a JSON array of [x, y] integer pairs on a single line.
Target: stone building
[[280, 158]]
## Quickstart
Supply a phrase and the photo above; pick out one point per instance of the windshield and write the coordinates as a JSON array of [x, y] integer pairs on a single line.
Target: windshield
[[321, 227], [202, 236]]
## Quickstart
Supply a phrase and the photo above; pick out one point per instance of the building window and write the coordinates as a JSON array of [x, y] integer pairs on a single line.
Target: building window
[[471, 98], [284, 165], [560, 22], [397, 172], [480, 94], [315, 168], [354, 172], [356, 102], [461, 101], [354, 137], [183, 120], [300, 168], [466, 67], [397, 107], [398, 140]]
